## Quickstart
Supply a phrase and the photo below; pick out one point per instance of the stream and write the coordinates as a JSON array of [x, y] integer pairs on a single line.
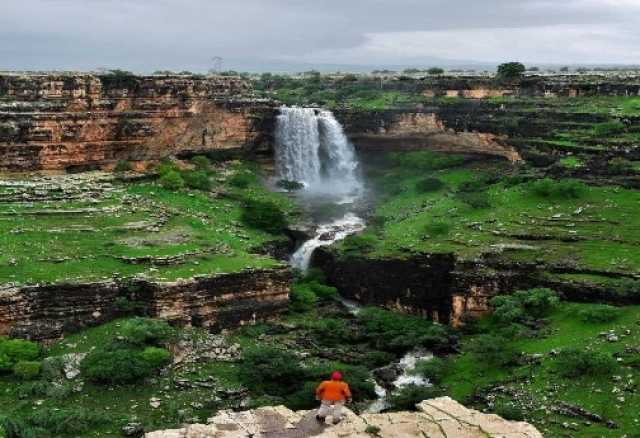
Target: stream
[[312, 149]]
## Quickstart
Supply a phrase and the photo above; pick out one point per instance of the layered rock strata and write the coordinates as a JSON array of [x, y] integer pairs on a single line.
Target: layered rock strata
[[66, 122], [222, 301], [437, 418]]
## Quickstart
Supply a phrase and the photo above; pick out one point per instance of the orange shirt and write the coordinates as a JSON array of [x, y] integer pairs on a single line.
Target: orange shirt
[[333, 390]]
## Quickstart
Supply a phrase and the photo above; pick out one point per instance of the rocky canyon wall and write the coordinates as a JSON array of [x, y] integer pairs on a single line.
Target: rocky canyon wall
[[48, 312], [84, 121]]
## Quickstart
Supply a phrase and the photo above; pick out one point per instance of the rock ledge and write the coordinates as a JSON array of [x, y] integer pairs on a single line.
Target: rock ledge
[[437, 418]]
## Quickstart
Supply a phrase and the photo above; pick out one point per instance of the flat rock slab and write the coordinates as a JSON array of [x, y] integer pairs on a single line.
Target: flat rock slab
[[437, 418]]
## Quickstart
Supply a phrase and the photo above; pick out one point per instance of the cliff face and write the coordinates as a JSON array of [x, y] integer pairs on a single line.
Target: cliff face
[[48, 312], [429, 128], [66, 122], [437, 418]]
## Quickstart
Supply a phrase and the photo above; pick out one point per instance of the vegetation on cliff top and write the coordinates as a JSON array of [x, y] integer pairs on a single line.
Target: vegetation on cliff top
[[90, 229], [486, 208]]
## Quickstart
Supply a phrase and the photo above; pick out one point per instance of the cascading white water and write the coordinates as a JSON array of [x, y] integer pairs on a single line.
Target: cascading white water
[[311, 148]]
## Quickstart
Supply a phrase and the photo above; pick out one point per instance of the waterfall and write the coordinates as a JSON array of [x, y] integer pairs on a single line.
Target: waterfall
[[312, 149]]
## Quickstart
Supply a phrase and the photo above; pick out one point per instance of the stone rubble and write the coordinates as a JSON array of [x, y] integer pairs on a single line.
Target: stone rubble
[[437, 418]]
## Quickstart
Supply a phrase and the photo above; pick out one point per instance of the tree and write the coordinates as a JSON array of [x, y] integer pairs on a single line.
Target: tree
[[564, 69], [511, 70], [410, 71], [435, 71]]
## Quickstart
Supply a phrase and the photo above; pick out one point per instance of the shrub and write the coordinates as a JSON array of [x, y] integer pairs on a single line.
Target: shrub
[[156, 357], [608, 128], [509, 412], [166, 166], [437, 228], [395, 332], [574, 362], [141, 331], [172, 180], [565, 189], [476, 200], [27, 370], [264, 215], [198, 180], [493, 350], [271, 371], [409, 396], [427, 185], [15, 428], [522, 306], [302, 298], [68, 422], [242, 180], [123, 166], [16, 350], [201, 162], [435, 71], [433, 369], [627, 288], [599, 314], [115, 364]]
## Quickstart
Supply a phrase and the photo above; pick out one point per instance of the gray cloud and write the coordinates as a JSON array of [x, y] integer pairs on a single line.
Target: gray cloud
[[150, 34]]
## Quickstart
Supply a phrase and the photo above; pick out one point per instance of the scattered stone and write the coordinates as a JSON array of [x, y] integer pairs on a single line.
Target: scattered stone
[[133, 429]]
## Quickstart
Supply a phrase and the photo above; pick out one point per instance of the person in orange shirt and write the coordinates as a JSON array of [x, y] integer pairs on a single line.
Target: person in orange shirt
[[332, 394]]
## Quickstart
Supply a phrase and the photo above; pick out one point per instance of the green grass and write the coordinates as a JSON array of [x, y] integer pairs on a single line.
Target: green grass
[[572, 162], [90, 246], [605, 221], [541, 385]]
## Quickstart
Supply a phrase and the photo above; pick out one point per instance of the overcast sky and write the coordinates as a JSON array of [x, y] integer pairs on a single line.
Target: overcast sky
[[145, 35]]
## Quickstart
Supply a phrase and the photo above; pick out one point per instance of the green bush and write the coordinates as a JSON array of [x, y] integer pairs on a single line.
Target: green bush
[[201, 162], [333, 331], [372, 430], [156, 357], [115, 364], [509, 412], [437, 228], [493, 350], [242, 180], [302, 298], [574, 362], [27, 370], [620, 165], [395, 332], [264, 215], [434, 369], [16, 428], [429, 184], [565, 189], [475, 200], [166, 166], [13, 351], [123, 166], [608, 128], [409, 396], [198, 180], [271, 371], [523, 306], [172, 181], [599, 314], [76, 421], [141, 331]]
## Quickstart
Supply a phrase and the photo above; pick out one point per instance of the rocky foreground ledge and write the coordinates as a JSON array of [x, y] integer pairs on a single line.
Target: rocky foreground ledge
[[437, 418]]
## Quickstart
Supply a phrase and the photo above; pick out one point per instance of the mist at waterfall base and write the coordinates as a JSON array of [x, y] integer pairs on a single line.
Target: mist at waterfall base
[[312, 149]]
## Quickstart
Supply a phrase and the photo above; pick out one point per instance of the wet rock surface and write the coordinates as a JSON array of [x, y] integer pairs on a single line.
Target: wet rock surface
[[437, 418]]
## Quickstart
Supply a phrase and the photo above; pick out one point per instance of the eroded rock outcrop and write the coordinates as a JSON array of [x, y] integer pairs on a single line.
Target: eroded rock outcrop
[[437, 418], [87, 121], [48, 312]]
